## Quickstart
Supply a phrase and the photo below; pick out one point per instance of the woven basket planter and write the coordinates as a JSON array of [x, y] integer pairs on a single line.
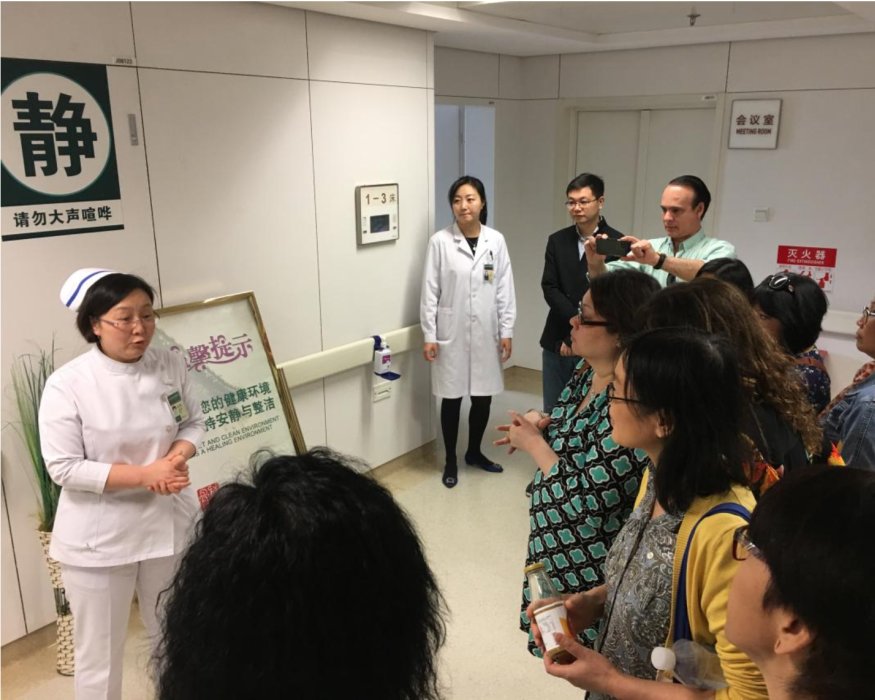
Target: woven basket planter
[[65, 618]]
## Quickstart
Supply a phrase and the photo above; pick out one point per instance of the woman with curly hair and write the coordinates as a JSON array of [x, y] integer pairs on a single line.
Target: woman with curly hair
[[305, 580], [781, 424]]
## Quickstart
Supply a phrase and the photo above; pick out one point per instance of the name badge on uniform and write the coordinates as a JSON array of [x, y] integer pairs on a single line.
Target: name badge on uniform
[[177, 407], [489, 271]]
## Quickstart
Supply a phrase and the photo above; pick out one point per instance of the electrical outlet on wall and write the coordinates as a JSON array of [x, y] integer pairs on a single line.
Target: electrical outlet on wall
[[761, 215], [382, 391]]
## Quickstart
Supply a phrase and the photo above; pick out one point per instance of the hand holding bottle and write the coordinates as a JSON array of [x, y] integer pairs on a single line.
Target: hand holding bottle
[[583, 611]]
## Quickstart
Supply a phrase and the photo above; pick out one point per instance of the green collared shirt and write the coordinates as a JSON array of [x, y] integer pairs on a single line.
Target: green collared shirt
[[697, 247]]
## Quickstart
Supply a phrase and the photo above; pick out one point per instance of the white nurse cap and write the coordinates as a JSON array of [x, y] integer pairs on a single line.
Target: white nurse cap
[[78, 284]]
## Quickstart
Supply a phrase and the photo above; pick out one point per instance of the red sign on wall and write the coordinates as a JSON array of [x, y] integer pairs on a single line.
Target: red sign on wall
[[810, 257], [816, 263]]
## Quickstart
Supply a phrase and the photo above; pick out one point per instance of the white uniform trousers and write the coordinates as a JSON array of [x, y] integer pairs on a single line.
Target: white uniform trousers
[[100, 599]]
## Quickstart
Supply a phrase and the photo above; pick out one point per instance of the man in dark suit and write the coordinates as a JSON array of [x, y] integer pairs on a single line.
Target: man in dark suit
[[565, 282]]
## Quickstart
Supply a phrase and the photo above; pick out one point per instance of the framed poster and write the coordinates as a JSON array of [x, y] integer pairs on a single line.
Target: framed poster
[[245, 400]]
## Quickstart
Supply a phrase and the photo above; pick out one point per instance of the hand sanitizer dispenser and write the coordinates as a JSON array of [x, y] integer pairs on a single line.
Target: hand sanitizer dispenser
[[383, 360]]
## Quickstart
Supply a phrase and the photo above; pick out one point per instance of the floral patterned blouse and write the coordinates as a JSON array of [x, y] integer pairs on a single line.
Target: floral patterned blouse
[[579, 507], [814, 379]]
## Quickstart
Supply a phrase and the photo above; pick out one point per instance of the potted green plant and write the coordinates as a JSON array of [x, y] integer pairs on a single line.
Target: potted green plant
[[29, 375]]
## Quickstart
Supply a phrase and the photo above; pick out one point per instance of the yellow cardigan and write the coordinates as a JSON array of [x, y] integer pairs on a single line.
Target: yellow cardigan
[[710, 569]]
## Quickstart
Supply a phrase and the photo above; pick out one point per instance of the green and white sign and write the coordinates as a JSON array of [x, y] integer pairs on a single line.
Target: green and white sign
[[59, 174]]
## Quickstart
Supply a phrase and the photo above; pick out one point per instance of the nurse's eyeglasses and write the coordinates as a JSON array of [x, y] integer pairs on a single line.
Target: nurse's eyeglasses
[[127, 325], [585, 321]]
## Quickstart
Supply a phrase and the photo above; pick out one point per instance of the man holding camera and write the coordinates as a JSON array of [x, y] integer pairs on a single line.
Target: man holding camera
[[564, 281], [683, 251]]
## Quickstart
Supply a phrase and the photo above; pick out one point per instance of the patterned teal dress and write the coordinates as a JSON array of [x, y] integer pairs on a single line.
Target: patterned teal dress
[[576, 511]]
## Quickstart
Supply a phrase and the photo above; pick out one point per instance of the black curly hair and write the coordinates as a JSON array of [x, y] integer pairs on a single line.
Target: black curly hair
[[305, 580]]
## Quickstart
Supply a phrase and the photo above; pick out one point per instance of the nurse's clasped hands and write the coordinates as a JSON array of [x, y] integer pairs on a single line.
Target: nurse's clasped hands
[[167, 476]]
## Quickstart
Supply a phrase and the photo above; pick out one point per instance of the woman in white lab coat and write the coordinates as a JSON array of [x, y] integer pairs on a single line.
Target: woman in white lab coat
[[467, 313], [117, 426]]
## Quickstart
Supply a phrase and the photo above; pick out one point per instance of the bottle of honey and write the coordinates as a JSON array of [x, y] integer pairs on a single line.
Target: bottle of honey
[[550, 613]]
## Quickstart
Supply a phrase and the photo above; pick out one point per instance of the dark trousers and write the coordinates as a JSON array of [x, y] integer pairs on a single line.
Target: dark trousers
[[557, 370], [478, 417]]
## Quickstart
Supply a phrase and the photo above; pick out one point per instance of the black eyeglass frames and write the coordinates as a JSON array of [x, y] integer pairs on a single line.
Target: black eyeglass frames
[[612, 395], [586, 322]]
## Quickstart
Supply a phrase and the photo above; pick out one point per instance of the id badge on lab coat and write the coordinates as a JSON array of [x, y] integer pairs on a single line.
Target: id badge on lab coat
[[489, 271], [177, 407]]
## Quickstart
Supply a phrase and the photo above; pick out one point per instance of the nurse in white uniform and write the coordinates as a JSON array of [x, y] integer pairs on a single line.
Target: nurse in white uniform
[[117, 426], [467, 312]]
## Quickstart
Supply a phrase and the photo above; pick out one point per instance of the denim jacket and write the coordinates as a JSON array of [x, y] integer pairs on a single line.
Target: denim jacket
[[851, 425]]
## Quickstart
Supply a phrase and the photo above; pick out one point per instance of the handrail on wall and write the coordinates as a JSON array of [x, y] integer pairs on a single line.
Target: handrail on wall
[[320, 365], [841, 322]]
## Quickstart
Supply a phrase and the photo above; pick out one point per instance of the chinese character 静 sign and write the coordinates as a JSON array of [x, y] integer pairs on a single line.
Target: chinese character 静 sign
[[59, 173], [754, 124]]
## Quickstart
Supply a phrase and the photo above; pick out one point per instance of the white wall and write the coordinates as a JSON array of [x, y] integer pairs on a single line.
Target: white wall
[[817, 185], [258, 121], [818, 182]]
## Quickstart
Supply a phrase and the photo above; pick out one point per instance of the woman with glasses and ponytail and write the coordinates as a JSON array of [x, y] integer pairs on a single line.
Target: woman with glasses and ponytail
[[677, 395], [117, 426]]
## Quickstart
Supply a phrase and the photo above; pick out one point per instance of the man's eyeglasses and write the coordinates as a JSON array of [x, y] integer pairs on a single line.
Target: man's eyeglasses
[[572, 203], [867, 313], [779, 282], [127, 325], [742, 546], [585, 321], [612, 395]]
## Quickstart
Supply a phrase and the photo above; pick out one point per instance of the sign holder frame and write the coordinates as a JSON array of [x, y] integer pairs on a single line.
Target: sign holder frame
[[278, 377]]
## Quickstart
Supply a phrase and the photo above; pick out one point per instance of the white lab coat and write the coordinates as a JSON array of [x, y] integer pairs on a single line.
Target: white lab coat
[[466, 314], [96, 412]]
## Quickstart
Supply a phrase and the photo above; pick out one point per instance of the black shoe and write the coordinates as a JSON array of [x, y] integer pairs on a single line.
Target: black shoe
[[451, 476], [484, 463]]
